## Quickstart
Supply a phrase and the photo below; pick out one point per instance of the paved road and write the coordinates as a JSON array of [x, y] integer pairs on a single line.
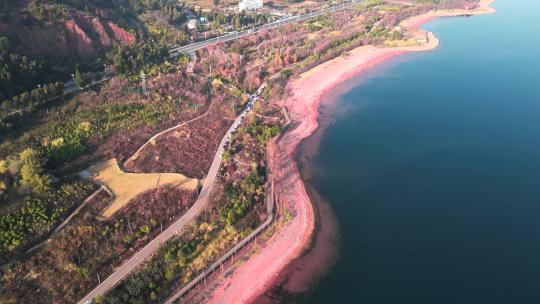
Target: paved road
[[175, 51], [70, 87], [200, 205]]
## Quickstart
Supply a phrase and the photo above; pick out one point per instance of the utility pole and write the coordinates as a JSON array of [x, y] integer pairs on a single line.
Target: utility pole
[[143, 84]]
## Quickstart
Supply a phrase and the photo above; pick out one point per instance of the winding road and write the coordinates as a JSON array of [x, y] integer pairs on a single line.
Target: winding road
[[199, 205], [202, 201]]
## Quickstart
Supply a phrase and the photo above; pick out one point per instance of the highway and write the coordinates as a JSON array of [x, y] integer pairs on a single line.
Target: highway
[[177, 50], [199, 205], [69, 86]]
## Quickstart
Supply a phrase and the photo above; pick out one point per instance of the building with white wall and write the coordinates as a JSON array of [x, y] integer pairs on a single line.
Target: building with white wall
[[249, 5], [192, 24]]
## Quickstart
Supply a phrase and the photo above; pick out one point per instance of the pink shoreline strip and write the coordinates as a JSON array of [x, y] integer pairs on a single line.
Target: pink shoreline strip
[[289, 241]]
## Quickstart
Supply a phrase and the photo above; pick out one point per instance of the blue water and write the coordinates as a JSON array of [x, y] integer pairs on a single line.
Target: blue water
[[434, 170]]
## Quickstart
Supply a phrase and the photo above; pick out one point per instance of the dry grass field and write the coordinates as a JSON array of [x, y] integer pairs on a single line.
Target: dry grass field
[[126, 186]]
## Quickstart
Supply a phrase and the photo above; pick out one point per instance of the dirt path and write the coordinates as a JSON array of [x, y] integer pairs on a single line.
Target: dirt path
[[152, 139], [69, 218]]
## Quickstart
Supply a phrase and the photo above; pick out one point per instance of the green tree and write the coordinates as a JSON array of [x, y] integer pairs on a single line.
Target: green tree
[[32, 176], [78, 78], [237, 22]]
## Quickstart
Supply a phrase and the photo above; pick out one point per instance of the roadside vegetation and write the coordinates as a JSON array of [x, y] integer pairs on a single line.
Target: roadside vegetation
[[191, 148], [88, 128], [237, 208], [108, 122]]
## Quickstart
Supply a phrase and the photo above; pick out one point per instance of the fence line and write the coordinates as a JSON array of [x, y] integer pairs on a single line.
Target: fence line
[[270, 207]]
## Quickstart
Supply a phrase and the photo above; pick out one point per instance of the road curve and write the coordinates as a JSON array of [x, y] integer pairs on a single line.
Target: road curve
[[199, 205]]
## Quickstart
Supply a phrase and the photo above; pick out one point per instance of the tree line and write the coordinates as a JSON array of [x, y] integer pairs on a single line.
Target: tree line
[[27, 102], [17, 72]]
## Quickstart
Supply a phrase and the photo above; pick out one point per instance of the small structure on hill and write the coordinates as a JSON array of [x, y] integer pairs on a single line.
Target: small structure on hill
[[249, 5], [193, 24], [143, 84], [424, 40]]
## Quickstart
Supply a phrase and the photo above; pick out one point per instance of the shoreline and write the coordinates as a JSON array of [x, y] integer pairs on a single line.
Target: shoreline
[[291, 240]]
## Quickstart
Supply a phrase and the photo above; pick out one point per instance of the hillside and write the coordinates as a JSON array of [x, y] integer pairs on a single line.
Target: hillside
[[43, 41], [42, 30]]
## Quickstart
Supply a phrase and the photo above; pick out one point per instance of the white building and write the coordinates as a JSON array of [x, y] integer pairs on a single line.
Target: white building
[[248, 5], [192, 24]]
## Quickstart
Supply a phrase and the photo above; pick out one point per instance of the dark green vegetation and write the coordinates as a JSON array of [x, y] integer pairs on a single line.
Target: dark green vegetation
[[38, 214], [18, 73], [241, 196], [262, 132], [32, 203], [88, 246]]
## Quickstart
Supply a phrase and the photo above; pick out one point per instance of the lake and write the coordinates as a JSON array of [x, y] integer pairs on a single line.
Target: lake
[[433, 169]]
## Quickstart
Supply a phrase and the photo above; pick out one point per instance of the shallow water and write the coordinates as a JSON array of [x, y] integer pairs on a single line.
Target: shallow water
[[433, 171]]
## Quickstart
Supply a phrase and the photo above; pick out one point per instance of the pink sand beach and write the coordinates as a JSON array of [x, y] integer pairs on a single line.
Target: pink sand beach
[[258, 273]]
